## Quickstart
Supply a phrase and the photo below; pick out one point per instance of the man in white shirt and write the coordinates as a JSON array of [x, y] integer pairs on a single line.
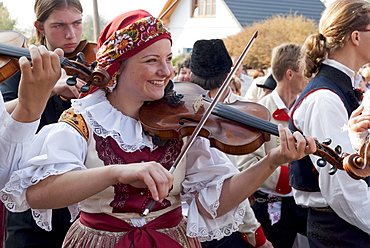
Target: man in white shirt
[[274, 204]]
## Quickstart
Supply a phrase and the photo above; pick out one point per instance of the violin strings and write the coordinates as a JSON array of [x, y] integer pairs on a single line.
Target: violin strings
[[14, 51], [17, 52], [239, 116]]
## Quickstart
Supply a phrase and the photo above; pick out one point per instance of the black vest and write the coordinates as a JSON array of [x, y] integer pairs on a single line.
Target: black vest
[[302, 173]]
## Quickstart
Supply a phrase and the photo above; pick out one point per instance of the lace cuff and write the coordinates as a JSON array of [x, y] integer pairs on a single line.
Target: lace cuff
[[207, 229], [14, 193]]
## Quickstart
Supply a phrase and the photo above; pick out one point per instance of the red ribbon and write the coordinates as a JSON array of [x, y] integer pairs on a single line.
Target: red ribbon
[[146, 236]]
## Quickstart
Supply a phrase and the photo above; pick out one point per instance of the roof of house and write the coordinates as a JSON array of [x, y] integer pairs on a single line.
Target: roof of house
[[249, 11]]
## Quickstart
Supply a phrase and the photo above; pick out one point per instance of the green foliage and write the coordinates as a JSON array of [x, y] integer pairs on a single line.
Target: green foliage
[[177, 59], [88, 27], [6, 23], [271, 33]]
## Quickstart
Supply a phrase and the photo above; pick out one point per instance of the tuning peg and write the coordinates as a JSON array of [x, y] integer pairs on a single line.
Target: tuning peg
[[321, 162], [80, 57], [86, 87], [332, 170], [93, 65], [327, 141], [338, 149], [72, 80]]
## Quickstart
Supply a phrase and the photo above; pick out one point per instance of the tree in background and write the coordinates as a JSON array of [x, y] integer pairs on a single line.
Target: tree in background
[[88, 27], [6, 23], [271, 33]]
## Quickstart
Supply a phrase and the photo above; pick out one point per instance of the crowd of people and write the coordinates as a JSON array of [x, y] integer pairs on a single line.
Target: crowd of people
[[82, 170]]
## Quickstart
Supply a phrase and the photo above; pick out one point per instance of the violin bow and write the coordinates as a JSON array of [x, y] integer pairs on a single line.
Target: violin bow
[[205, 116], [168, 9]]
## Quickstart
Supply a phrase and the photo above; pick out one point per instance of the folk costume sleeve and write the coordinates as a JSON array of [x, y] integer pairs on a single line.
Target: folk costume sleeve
[[57, 148], [15, 139], [207, 169]]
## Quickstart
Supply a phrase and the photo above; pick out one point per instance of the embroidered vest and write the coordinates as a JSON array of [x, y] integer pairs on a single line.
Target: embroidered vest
[[302, 173], [127, 199]]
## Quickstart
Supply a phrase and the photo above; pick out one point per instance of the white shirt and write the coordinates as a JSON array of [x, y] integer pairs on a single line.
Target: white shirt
[[323, 115], [246, 83], [15, 139], [59, 148]]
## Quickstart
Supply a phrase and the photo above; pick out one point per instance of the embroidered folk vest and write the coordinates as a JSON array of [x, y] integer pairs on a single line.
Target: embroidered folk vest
[[302, 173]]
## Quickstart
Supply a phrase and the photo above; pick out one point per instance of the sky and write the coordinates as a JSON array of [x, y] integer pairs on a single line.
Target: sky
[[22, 10]]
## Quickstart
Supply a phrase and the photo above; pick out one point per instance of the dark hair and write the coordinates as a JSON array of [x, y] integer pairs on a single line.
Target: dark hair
[[257, 73], [211, 83], [185, 62], [44, 8]]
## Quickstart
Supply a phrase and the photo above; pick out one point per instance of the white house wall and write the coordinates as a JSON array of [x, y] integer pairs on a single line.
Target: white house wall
[[186, 30]]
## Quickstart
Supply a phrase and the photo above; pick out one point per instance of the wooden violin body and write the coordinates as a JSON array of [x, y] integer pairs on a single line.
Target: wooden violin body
[[176, 122], [9, 65], [87, 48]]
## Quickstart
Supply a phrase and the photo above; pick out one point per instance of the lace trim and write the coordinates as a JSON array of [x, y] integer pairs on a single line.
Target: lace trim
[[19, 182], [99, 113], [102, 132], [17, 187], [204, 234]]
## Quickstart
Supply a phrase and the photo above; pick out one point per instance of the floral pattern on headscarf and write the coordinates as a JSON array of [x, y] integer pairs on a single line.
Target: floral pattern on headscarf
[[136, 36]]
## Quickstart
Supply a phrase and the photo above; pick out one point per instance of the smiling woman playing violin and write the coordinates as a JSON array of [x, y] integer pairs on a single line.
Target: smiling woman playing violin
[[116, 169], [58, 25]]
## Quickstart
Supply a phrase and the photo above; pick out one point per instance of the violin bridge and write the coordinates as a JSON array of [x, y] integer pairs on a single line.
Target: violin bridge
[[198, 103]]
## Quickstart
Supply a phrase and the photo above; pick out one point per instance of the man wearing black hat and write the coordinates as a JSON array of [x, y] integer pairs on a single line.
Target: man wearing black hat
[[210, 64], [274, 205], [260, 87]]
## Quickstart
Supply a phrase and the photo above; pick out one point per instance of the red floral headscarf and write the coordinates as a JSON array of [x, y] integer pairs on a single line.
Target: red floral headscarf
[[125, 36]]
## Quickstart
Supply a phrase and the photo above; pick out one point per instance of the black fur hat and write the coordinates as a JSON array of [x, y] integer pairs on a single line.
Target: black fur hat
[[210, 58]]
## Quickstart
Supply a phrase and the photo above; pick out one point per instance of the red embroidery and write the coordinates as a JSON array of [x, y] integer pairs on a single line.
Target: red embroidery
[[128, 198]]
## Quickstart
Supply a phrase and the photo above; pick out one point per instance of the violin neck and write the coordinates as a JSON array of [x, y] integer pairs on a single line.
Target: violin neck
[[241, 117], [14, 51], [17, 52]]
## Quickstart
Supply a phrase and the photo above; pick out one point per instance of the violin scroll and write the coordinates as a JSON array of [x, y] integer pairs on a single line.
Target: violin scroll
[[92, 76], [358, 165]]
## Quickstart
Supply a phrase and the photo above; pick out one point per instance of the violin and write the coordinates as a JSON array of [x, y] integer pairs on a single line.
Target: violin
[[236, 128], [358, 165], [8, 65], [88, 49], [169, 121], [93, 76]]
